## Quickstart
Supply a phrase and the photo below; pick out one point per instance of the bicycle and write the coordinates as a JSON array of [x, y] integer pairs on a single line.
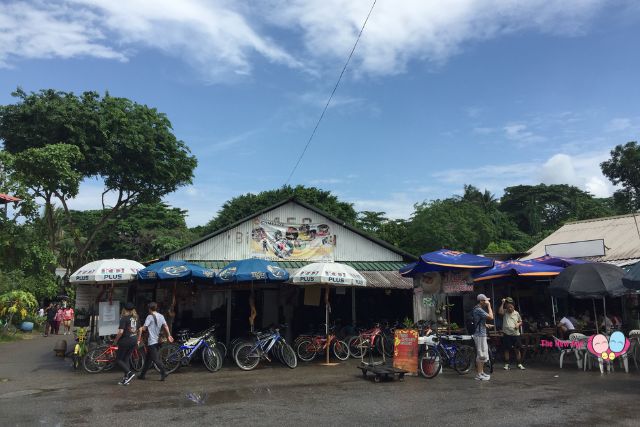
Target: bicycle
[[101, 358], [183, 335], [80, 349], [175, 355], [248, 355], [309, 347], [437, 354], [367, 340]]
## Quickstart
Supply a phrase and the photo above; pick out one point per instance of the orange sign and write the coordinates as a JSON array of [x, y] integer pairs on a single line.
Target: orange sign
[[405, 350]]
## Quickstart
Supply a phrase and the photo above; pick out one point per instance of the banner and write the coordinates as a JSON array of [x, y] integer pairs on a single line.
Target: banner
[[405, 350], [294, 242]]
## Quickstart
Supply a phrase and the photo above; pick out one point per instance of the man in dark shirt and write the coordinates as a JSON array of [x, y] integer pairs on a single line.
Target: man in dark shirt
[[126, 340], [51, 311]]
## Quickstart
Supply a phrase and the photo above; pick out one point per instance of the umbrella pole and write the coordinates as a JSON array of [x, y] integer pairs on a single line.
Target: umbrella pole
[[595, 315], [326, 320], [604, 310], [228, 340], [553, 311], [252, 305]]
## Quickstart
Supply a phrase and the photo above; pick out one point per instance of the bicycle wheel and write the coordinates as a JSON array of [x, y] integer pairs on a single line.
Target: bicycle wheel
[[212, 358], [289, 356], [306, 350], [136, 362], [221, 348], [388, 345], [94, 361], [430, 363], [247, 357], [357, 347], [463, 359], [171, 357], [341, 350]]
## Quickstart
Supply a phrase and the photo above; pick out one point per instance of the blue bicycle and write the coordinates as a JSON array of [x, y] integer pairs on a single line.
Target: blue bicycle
[[437, 353], [175, 355], [249, 354]]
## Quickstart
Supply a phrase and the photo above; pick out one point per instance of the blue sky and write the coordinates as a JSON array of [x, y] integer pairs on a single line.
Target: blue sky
[[490, 93]]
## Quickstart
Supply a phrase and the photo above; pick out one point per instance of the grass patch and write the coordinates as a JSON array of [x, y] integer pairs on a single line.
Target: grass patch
[[10, 338]]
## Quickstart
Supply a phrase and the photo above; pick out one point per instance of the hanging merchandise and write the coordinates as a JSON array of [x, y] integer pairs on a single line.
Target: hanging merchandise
[[457, 281]]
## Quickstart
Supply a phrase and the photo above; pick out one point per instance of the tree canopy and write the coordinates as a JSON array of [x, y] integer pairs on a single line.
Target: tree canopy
[[57, 139], [623, 168]]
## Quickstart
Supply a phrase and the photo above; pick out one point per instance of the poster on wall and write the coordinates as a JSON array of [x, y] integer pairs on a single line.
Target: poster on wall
[[108, 317], [275, 241]]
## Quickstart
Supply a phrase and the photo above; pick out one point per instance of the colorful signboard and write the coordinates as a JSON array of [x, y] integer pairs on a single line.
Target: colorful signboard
[[405, 350], [294, 242]]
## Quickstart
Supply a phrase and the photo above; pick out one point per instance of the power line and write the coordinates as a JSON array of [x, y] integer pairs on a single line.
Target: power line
[[331, 96]]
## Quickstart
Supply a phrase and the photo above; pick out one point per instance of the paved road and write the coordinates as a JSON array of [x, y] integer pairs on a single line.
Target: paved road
[[38, 389]]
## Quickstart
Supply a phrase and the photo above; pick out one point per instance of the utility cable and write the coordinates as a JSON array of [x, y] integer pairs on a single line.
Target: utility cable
[[331, 96]]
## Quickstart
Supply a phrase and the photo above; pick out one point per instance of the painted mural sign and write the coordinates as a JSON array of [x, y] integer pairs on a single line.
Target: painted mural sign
[[295, 242]]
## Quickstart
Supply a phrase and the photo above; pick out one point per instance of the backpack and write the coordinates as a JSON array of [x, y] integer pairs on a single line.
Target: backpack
[[470, 322]]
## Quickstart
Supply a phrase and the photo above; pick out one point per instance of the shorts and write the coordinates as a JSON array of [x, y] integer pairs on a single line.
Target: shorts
[[511, 341], [482, 348]]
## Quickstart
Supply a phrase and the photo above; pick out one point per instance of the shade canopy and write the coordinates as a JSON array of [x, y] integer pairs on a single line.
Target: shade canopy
[[559, 261], [107, 271], [592, 280], [631, 280], [329, 273], [176, 270], [252, 270], [444, 260], [515, 269]]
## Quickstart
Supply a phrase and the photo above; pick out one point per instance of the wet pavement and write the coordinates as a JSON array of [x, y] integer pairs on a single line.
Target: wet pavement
[[39, 389]]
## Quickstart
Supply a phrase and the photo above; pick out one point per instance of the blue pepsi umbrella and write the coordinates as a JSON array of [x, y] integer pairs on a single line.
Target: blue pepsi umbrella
[[559, 261], [252, 270], [446, 259], [513, 268], [176, 270]]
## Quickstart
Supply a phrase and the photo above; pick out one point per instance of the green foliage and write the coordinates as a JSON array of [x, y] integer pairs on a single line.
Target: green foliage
[[623, 168], [15, 305], [57, 139], [144, 232], [539, 208], [243, 206]]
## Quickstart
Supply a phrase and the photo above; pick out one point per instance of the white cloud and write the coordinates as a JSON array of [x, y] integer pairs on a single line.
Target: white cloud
[[519, 132], [222, 39], [396, 206], [618, 124], [400, 32], [326, 181], [582, 171]]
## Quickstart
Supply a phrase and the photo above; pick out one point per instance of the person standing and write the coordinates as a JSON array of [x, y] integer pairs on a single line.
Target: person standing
[[481, 313], [511, 323], [126, 340], [67, 318], [51, 320], [57, 320], [153, 324]]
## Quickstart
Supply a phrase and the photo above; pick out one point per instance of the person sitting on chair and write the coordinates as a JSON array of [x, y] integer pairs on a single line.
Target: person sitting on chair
[[566, 327]]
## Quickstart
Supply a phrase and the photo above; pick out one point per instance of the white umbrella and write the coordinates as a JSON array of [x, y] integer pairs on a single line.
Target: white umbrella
[[329, 274], [107, 271]]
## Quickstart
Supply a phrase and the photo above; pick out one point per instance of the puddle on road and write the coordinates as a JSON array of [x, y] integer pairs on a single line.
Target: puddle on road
[[19, 393]]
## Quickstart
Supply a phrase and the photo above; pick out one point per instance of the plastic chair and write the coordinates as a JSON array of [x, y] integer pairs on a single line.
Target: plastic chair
[[579, 346], [565, 348], [634, 349]]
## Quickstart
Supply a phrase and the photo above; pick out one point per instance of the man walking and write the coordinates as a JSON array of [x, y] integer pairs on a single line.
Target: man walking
[[481, 313], [154, 323], [511, 323]]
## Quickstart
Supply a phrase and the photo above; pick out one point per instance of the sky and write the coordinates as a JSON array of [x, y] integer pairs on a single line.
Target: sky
[[437, 94]]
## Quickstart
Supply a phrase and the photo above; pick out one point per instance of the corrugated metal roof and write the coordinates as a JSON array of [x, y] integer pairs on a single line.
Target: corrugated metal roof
[[387, 280], [621, 235]]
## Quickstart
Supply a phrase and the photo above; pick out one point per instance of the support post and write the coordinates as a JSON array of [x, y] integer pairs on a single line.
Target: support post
[[353, 307], [228, 297]]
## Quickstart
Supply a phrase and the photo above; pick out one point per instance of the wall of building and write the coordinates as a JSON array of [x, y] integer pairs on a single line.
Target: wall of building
[[235, 244]]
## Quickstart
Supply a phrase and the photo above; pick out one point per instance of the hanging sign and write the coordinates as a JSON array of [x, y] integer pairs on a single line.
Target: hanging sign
[[454, 282], [296, 242], [405, 350]]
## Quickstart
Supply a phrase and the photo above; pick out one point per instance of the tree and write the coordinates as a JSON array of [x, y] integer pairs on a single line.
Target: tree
[[144, 232], [487, 201], [128, 146], [16, 304], [623, 168], [543, 208], [371, 221], [243, 206], [449, 223]]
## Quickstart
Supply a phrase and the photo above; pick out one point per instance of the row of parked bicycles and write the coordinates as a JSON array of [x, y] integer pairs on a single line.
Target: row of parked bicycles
[[436, 351]]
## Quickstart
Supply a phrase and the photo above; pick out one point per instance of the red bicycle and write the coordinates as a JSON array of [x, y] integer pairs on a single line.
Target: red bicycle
[[309, 347], [103, 358], [369, 339]]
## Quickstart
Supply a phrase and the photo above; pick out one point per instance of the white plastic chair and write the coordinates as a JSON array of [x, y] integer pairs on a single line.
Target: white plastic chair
[[579, 346], [565, 348]]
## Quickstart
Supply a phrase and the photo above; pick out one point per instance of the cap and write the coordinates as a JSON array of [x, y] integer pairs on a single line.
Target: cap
[[129, 306], [509, 300], [482, 297]]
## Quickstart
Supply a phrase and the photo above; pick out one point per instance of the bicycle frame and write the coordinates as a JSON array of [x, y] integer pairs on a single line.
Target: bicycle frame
[[266, 343], [371, 334]]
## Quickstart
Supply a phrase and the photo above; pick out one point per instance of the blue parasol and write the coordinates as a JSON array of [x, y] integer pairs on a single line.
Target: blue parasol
[[176, 270], [559, 261], [513, 268], [444, 260], [252, 270]]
